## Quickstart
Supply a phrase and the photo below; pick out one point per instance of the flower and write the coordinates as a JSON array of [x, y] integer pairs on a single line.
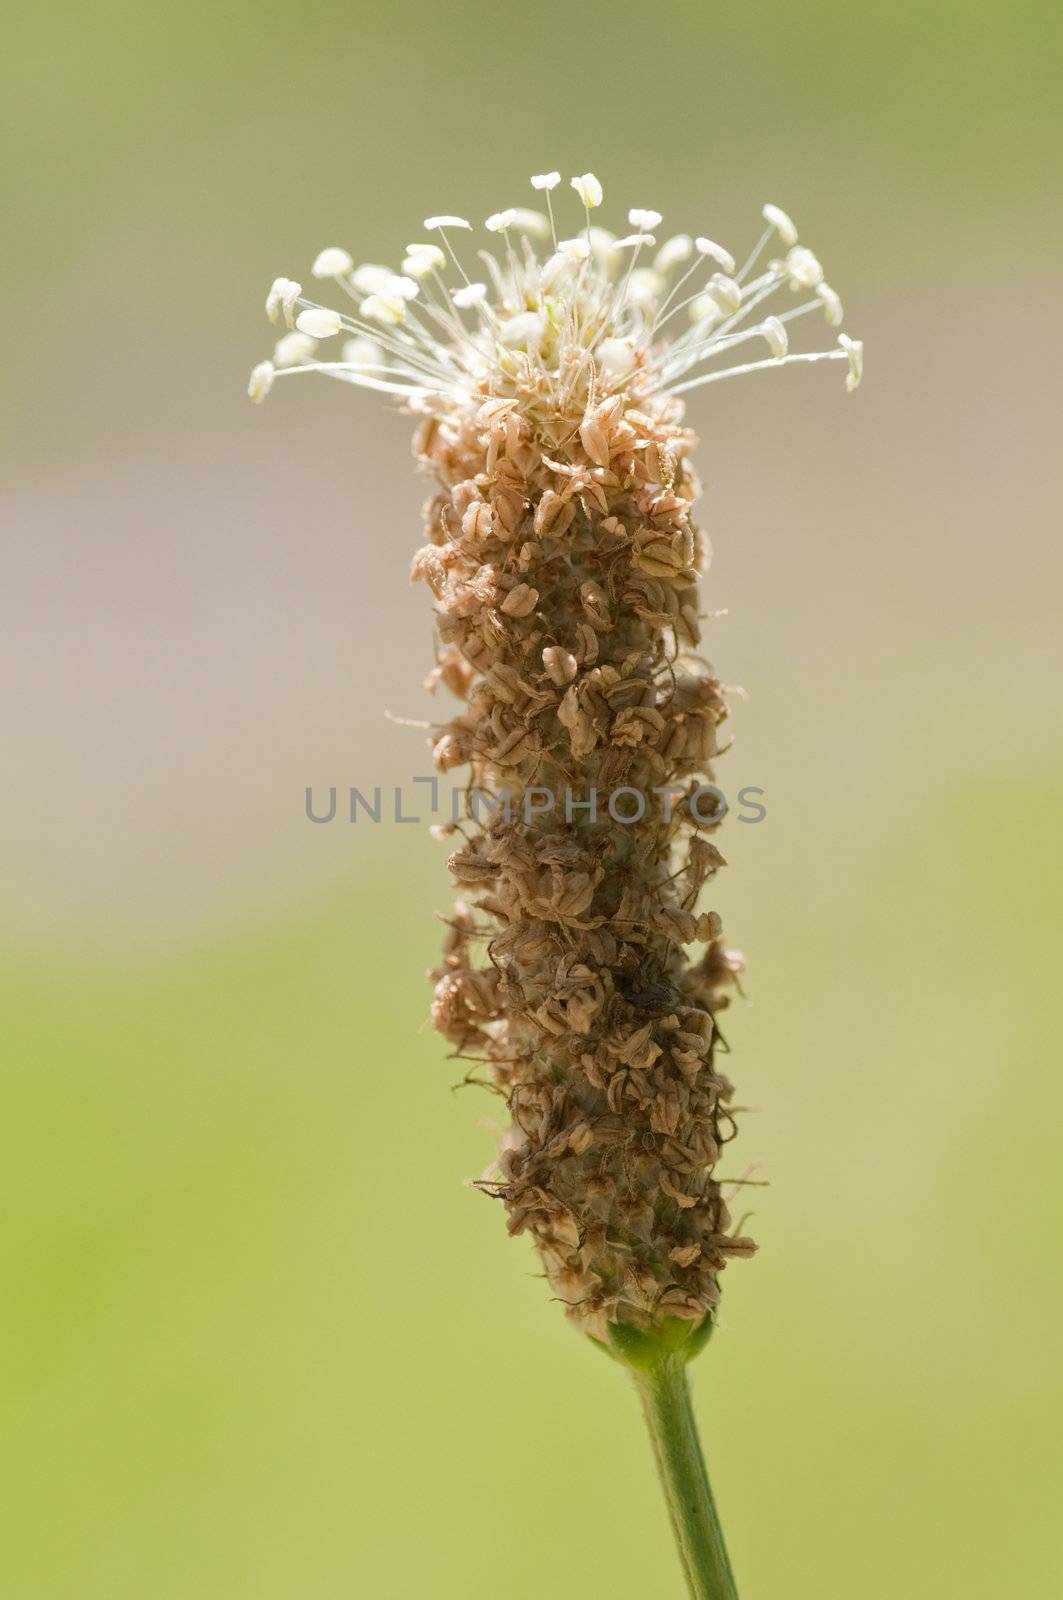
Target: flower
[[589, 304], [563, 557]]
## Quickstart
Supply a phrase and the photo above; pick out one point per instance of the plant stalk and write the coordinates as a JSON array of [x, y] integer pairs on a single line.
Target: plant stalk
[[665, 1394]]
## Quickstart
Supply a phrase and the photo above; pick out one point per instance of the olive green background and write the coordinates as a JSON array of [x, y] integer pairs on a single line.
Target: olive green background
[[260, 1341]]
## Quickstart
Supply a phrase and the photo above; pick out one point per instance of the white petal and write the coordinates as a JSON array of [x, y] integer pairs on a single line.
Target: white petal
[[332, 263]]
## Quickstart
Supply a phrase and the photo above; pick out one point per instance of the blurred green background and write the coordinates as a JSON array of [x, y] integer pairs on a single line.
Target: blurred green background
[[260, 1342]]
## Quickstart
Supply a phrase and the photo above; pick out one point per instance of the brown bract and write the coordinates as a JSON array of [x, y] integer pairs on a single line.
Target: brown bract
[[563, 559]]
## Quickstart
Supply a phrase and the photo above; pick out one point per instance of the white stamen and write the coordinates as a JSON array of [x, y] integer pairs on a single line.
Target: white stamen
[[802, 269], [282, 296], [725, 291], [292, 349], [389, 309], [370, 278], [776, 218], [431, 252], [854, 349], [617, 357], [332, 263], [590, 318], [260, 381], [776, 335], [421, 266], [546, 180], [717, 253], [672, 251], [530, 221], [319, 322], [645, 286], [832, 305], [362, 353], [403, 288], [603, 246], [561, 265], [756, 366], [527, 329], [589, 190], [703, 308]]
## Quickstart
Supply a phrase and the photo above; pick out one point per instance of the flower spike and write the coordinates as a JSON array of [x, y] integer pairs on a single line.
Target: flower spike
[[563, 556]]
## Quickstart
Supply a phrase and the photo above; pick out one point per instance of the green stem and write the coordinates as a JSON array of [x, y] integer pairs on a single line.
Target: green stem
[[665, 1393]]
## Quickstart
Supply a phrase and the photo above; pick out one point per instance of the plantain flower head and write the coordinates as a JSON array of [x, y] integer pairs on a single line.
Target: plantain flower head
[[578, 972], [556, 320]]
